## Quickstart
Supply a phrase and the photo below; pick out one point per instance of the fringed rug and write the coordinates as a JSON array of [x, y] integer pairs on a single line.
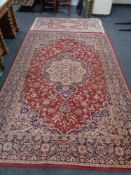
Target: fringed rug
[[65, 102]]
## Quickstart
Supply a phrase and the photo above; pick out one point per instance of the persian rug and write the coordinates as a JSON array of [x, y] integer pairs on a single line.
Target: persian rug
[[68, 24], [65, 103], [28, 3]]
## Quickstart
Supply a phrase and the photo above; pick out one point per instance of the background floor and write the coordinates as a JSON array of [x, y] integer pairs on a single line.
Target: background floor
[[121, 42]]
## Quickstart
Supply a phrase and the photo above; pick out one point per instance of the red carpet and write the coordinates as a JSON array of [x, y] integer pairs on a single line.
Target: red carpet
[[65, 104]]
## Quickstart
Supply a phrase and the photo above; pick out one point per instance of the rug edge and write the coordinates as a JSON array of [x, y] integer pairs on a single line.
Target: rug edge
[[119, 65], [14, 60], [105, 169]]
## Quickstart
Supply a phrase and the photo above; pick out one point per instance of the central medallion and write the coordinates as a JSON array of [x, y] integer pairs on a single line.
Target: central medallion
[[66, 71], [65, 85]]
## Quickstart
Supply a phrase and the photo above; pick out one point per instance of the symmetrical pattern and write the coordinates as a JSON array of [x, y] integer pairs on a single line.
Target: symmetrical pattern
[[65, 103], [68, 24], [66, 72]]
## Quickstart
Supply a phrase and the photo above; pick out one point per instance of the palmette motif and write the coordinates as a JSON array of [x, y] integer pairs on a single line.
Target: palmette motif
[[49, 115]]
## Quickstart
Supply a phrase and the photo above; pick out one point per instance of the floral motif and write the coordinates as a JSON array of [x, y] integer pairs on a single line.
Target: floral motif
[[67, 24], [82, 149], [7, 146], [66, 71], [71, 85], [81, 123], [45, 147]]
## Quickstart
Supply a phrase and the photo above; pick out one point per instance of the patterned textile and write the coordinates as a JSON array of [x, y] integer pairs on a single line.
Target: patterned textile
[[65, 103], [24, 2], [68, 24]]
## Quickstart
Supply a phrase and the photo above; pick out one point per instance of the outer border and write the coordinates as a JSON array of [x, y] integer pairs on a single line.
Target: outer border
[[13, 62], [119, 64]]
